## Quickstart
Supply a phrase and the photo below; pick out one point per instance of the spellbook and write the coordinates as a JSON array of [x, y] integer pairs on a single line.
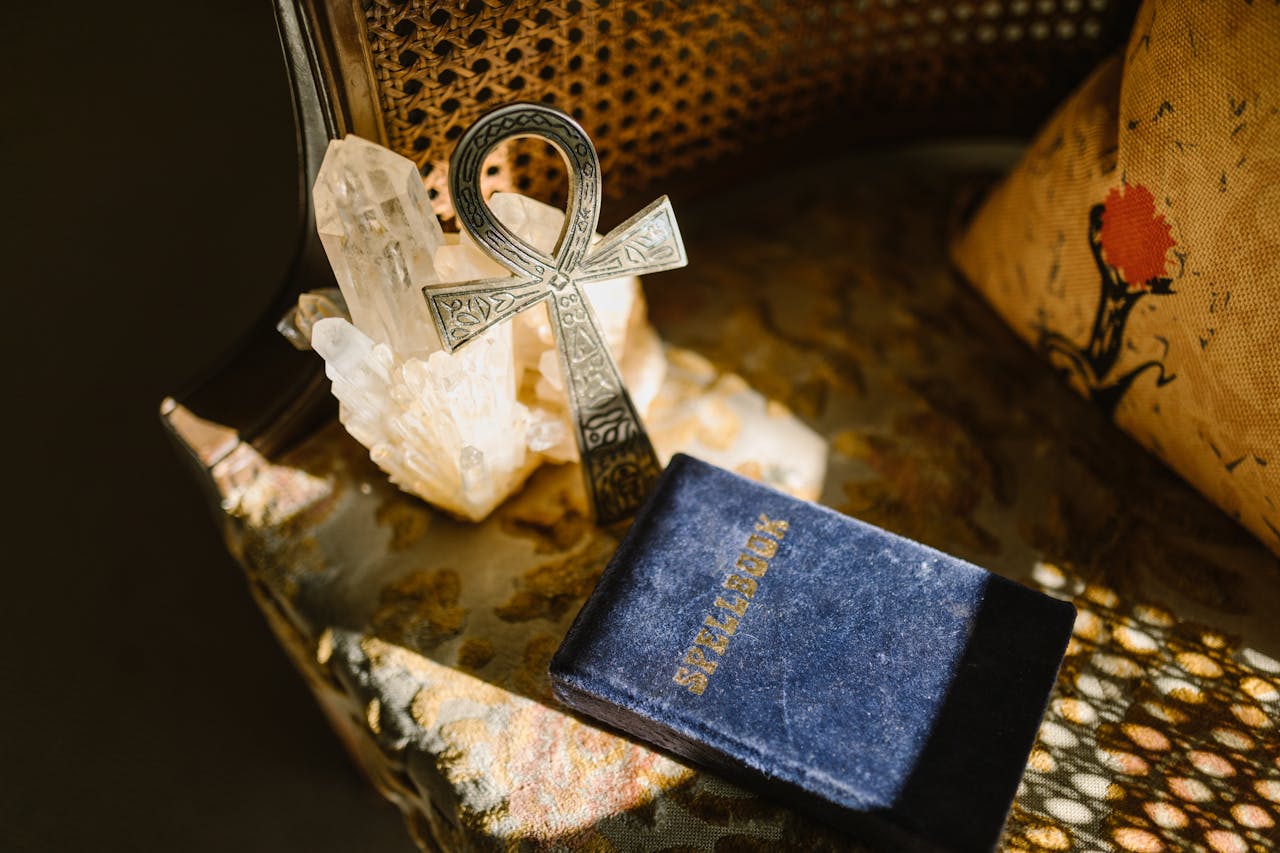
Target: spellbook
[[877, 683]]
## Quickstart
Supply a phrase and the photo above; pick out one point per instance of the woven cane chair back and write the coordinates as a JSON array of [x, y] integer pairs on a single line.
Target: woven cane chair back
[[668, 86]]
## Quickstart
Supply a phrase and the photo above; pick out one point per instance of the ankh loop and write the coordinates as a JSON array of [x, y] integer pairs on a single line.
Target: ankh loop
[[618, 462]]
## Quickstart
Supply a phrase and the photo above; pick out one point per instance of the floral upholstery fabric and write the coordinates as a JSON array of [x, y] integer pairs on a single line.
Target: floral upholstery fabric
[[427, 640]]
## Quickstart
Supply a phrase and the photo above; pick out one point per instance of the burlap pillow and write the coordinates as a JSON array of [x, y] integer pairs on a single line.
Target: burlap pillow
[[1137, 246]]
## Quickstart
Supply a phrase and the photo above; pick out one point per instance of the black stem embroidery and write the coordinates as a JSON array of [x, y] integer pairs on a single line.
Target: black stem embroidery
[[1094, 362]]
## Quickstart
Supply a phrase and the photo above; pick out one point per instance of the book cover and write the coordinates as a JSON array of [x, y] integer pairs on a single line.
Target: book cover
[[876, 683]]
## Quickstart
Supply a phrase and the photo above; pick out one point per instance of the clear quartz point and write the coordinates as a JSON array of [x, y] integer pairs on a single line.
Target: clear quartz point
[[381, 236]]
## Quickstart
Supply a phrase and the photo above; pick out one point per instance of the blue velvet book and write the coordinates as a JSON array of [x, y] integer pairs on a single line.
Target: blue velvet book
[[882, 686]]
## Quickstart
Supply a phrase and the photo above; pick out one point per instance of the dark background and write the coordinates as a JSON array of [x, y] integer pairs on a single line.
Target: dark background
[[148, 213]]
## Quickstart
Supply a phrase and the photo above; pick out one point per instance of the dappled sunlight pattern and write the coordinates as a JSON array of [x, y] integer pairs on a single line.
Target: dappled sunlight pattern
[[1161, 735]]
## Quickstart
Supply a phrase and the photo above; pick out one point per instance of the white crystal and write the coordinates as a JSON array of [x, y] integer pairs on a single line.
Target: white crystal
[[719, 418], [462, 430], [381, 236], [446, 428]]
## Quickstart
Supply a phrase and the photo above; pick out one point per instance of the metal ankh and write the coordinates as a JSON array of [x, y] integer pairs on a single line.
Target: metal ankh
[[618, 461]]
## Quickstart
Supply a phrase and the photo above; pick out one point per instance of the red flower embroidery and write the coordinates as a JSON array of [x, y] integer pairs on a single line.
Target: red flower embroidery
[[1130, 244], [1135, 240]]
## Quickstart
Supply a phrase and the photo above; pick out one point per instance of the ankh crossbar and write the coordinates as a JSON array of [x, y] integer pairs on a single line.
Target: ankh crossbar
[[618, 461]]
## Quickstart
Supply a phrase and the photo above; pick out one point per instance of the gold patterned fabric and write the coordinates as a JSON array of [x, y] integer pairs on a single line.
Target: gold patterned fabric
[[427, 640], [1162, 736]]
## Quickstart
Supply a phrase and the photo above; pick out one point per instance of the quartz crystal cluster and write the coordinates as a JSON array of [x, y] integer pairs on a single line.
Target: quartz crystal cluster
[[461, 430]]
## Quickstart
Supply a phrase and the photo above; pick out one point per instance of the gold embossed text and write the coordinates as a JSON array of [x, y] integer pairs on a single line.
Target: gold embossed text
[[711, 640]]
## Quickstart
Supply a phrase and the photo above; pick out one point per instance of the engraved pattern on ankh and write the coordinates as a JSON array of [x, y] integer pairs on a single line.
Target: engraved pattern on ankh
[[618, 461]]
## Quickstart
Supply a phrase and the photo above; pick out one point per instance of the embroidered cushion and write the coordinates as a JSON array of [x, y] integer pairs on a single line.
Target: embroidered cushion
[[1137, 247]]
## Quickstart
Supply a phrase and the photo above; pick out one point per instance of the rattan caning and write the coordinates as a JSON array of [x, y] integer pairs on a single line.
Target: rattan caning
[[669, 85]]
